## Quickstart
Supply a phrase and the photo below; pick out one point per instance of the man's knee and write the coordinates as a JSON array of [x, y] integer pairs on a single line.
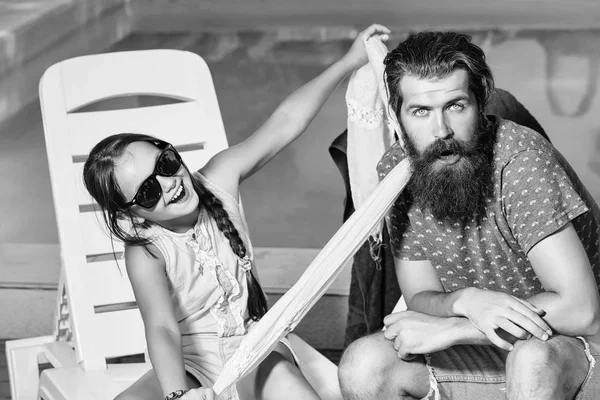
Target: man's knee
[[556, 365], [370, 369], [531, 352], [363, 366]]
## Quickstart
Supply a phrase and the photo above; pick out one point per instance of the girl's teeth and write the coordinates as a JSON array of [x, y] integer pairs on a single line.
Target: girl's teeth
[[177, 195]]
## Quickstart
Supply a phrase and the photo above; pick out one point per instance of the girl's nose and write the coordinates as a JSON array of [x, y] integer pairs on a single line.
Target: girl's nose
[[167, 183]]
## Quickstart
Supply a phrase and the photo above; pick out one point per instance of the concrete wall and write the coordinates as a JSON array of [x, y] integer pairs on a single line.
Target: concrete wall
[[556, 75], [37, 34], [28, 29]]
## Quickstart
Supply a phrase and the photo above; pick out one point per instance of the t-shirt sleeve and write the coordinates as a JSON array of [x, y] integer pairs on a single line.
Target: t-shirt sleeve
[[538, 198], [404, 241]]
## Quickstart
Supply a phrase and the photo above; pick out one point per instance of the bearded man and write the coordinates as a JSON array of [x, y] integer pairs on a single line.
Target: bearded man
[[495, 242]]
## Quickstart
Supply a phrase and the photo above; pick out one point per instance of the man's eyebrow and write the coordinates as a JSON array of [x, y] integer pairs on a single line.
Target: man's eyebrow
[[419, 106], [461, 97]]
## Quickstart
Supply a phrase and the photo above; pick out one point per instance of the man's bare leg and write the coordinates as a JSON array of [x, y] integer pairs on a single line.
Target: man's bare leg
[[370, 369], [554, 369]]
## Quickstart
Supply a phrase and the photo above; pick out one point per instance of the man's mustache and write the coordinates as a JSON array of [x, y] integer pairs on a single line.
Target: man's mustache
[[442, 147]]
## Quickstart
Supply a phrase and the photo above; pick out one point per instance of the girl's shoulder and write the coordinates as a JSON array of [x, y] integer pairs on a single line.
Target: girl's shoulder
[[143, 256], [220, 187], [221, 178]]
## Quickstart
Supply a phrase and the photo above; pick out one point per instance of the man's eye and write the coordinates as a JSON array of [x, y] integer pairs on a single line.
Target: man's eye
[[420, 112], [457, 107]]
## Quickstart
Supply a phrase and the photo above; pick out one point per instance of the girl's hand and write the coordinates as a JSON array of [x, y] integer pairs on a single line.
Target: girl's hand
[[199, 394], [356, 57]]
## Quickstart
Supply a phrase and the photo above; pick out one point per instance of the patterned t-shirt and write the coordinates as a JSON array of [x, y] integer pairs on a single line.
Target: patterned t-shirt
[[536, 192]]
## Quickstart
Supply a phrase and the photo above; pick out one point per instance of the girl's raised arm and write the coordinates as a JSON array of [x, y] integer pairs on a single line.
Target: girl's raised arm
[[289, 120]]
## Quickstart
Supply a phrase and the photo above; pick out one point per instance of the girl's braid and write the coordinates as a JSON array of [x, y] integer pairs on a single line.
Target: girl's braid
[[257, 302]]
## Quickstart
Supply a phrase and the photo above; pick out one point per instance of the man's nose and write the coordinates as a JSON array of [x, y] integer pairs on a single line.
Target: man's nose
[[167, 183], [442, 130]]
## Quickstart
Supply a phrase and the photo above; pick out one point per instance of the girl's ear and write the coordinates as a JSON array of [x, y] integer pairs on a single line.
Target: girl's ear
[[128, 218], [132, 222], [138, 220]]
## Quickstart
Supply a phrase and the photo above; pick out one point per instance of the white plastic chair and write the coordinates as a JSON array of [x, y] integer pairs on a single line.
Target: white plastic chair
[[97, 317]]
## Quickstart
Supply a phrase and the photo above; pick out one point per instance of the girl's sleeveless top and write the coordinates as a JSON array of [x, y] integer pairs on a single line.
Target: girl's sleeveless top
[[207, 284]]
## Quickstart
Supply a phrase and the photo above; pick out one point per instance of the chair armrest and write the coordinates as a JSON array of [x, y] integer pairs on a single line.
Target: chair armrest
[[60, 354], [23, 358]]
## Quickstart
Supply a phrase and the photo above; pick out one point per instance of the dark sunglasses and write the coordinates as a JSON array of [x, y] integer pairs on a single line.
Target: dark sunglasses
[[150, 191]]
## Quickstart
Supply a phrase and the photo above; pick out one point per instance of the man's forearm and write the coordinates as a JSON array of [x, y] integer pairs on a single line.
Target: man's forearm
[[461, 331], [564, 318], [457, 328], [453, 306], [438, 304]]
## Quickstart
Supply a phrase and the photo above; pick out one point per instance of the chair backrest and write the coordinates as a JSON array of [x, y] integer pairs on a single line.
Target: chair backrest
[[104, 320]]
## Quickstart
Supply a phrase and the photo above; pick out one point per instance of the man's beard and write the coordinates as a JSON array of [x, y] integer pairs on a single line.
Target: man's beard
[[459, 191]]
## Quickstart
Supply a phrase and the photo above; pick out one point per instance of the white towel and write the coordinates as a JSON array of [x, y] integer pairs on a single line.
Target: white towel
[[285, 315], [370, 127]]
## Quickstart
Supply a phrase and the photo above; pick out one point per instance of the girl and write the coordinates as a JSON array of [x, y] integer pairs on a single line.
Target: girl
[[188, 254]]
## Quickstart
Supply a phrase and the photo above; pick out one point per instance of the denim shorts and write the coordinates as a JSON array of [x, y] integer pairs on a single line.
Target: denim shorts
[[469, 372]]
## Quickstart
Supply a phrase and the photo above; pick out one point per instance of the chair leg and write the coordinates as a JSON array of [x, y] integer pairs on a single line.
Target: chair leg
[[23, 366]]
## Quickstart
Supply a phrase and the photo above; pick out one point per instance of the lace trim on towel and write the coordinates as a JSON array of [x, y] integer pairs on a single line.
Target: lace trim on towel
[[366, 116]]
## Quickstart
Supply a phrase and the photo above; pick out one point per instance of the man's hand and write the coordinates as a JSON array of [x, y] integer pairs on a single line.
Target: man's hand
[[199, 394], [415, 333], [490, 311]]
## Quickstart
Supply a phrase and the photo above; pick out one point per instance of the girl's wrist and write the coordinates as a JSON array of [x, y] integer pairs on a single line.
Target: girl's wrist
[[346, 64], [177, 394]]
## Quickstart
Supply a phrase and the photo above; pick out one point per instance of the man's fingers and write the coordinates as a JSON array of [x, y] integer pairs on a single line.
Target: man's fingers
[[533, 308], [535, 317], [391, 331], [390, 334], [513, 329], [536, 326], [406, 356], [397, 343], [498, 341], [392, 319]]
